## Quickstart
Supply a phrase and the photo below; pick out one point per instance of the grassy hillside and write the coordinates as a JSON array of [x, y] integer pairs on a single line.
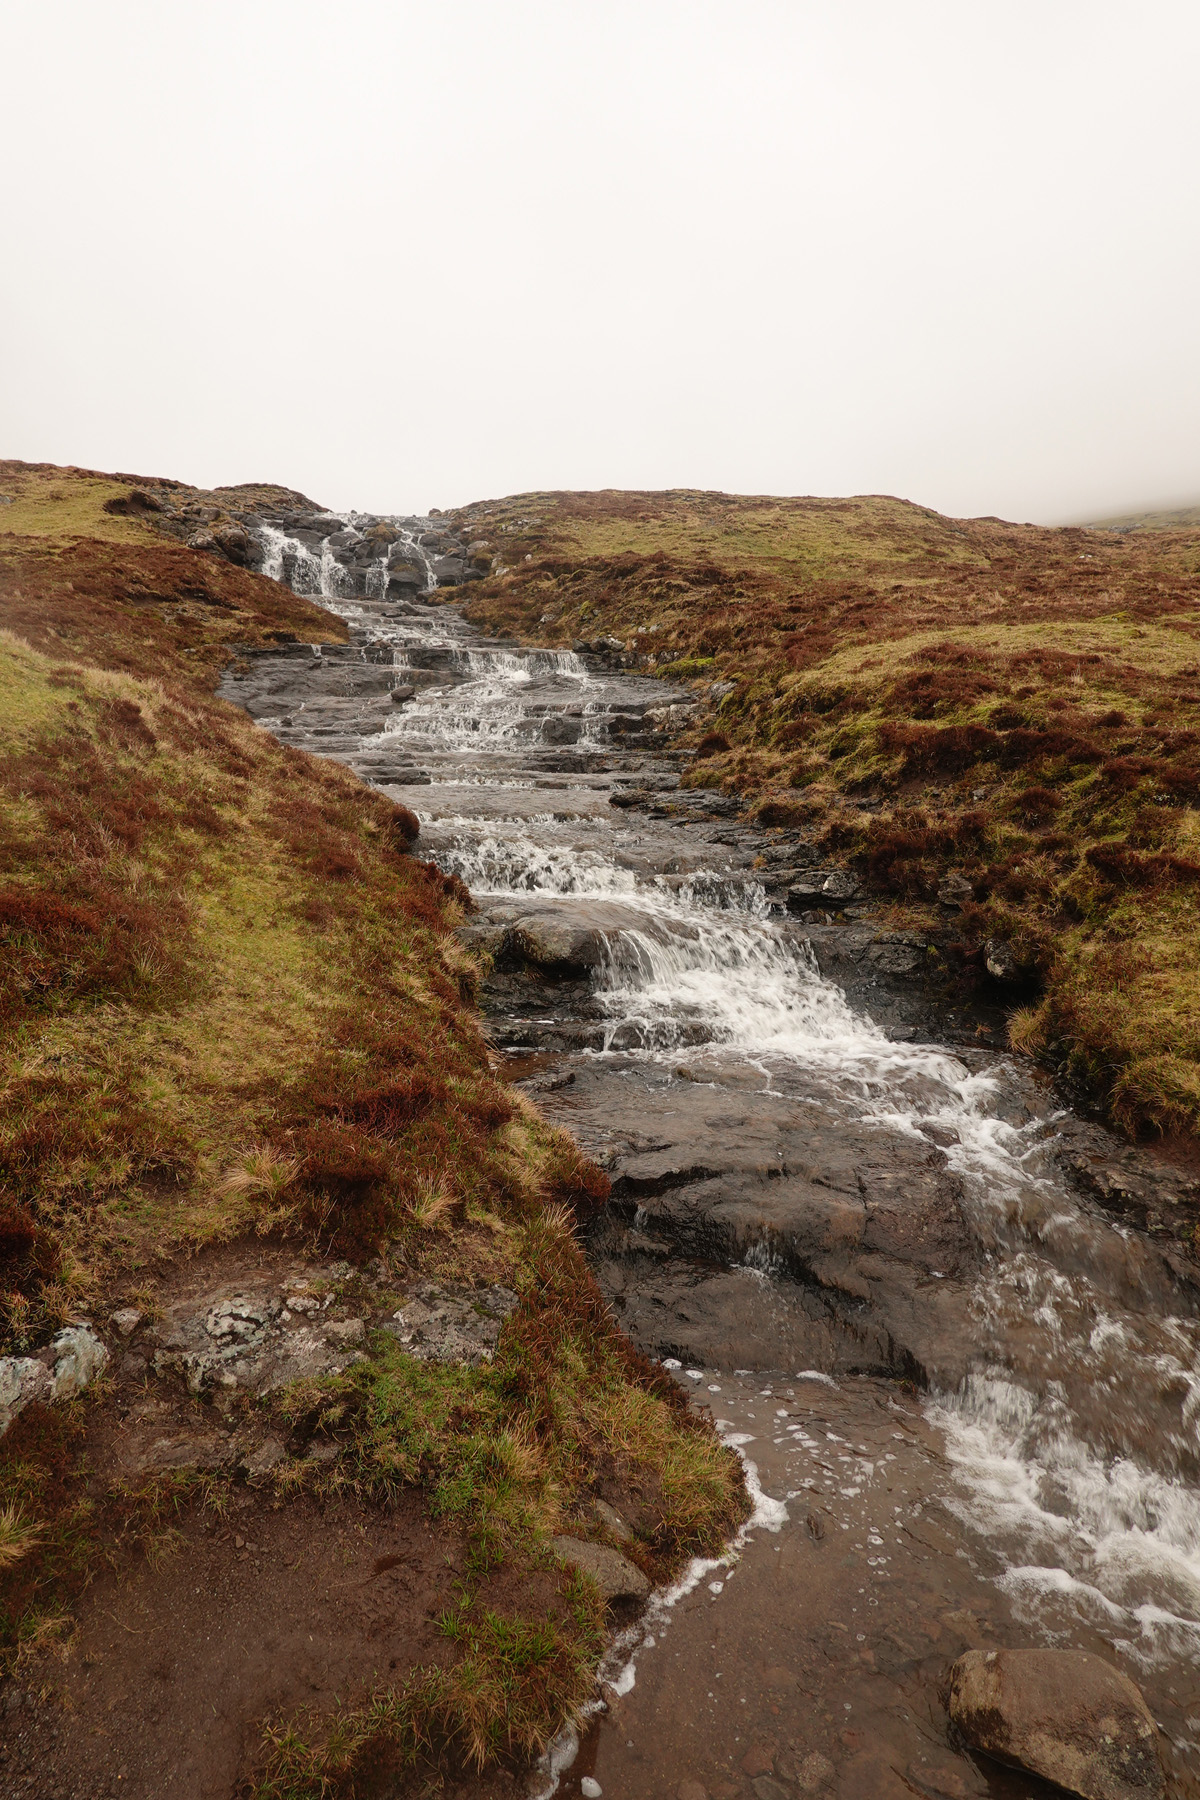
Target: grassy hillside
[[1014, 705], [233, 1011], [1175, 518]]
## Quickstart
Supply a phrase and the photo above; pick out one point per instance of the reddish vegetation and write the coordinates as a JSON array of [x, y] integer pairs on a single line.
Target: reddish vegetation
[[713, 743], [153, 609], [1038, 735]]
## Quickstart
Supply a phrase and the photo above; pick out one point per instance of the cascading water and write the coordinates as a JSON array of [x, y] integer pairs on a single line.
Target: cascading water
[[1074, 1431]]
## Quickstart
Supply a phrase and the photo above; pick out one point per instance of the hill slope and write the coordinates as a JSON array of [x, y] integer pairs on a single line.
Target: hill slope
[[1013, 707], [1177, 518], [238, 1050]]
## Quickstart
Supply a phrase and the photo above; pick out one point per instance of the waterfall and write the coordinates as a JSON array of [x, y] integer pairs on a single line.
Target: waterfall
[[1075, 1433]]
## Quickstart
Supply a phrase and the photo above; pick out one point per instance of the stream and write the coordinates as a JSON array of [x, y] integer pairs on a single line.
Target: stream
[[913, 1289]]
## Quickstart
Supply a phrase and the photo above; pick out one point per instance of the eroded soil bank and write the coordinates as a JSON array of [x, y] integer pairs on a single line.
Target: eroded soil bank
[[948, 1321]]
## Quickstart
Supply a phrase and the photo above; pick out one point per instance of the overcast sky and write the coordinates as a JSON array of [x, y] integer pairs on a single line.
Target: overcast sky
[[427, 251]]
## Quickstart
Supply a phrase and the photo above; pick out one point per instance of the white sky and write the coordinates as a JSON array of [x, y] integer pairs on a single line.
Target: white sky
[[418, 253]]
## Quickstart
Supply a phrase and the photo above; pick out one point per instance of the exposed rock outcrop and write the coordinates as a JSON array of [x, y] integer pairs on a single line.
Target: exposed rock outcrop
[[68, 1364]]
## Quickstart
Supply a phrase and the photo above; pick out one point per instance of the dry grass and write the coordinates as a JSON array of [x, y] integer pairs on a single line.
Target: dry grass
[[18, 1536], [921, 694], [231, 1003]]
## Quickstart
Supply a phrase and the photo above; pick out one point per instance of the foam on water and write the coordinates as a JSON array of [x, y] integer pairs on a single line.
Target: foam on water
[[1074, 1436]]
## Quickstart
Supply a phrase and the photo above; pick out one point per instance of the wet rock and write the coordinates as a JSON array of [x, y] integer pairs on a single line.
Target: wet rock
[[554, 943], [614, 1574], [1156, 1195], [561, 729], [897, 953], [1065, 1715]]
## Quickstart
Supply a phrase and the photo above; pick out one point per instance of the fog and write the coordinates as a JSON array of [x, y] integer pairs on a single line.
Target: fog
[[406, 255]]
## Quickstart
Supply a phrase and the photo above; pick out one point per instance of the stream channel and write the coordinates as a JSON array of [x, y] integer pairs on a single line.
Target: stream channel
[[937, 1312]]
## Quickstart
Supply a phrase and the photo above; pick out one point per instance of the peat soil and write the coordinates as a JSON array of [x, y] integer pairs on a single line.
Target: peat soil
[[226, 1607], [949, 1323]]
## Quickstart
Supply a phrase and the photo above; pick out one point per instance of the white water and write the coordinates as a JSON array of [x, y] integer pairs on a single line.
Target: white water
[[320, 576], [1074, 1437]]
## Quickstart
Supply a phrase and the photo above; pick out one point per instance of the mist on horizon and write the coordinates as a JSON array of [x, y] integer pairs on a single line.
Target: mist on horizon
[[413, 256]]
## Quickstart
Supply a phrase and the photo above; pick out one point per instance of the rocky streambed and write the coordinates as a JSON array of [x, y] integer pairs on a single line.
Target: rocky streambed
[[946, 1321]]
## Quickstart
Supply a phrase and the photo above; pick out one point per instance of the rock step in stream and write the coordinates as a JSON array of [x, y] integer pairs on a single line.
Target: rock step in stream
[[947, 1323]]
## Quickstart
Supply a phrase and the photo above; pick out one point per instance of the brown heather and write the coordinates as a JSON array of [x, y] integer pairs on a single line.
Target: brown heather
[[924, 694], [233, 1008]]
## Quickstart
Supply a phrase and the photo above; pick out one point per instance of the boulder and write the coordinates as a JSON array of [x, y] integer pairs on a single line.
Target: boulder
[[608, 1516], [840, 887], [1001, 960], [406, 577], [69, 1363], [555, 943], [79, 1356], [614, 1574], [22, 1379], [1065, 1715], [448, 571]]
